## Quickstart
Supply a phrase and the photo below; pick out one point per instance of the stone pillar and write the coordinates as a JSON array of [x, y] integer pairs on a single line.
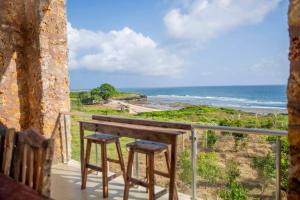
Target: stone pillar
[[294, 100], [13, 86], [34, 83]]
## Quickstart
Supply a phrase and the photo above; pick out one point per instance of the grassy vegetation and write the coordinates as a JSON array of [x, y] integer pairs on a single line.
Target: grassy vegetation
[[220, 116], [198, 114]]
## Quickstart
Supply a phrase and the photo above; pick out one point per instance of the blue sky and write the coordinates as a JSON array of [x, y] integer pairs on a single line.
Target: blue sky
[[157, 43]]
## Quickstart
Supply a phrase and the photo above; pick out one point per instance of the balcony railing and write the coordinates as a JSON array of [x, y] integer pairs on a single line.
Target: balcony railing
[[276, 133], [194, 137]]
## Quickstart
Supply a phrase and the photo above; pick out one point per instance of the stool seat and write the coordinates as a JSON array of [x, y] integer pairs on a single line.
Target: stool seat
[[101, 137], [147, 146]]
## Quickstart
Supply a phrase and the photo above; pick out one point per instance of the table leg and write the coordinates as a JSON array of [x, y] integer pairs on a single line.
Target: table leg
[[81, 148], [172, 190]]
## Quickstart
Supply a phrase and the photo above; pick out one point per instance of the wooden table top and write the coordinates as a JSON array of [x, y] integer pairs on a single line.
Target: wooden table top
[[142, 128], [12, 190]]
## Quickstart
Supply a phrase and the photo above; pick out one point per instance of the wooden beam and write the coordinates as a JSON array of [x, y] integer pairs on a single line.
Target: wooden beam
[[155, 123]]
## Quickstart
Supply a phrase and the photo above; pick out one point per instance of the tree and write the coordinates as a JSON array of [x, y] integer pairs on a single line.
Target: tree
[[106, 91]]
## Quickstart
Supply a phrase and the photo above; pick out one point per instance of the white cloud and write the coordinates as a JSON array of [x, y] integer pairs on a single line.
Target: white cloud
[[202, 20], [120, 51], [271, 69]]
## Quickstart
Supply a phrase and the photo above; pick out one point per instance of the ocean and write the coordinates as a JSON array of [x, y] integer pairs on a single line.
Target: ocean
[[271, 97]]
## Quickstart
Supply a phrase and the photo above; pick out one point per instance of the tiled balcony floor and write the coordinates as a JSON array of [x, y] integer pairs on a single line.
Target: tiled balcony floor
[[66, 183]]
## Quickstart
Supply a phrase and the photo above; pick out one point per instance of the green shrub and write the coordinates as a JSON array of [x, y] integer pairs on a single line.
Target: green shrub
[[85, 98], [208, 167], [185, 167], [267, 122], [238, 138], [95, 94], [230, 122], [284, 159], [284, 163], [211, 139], [232, 172], [234, 191], [265, 167]]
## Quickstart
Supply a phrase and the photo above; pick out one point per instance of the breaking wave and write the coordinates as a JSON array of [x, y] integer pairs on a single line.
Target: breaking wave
[[219, 101]]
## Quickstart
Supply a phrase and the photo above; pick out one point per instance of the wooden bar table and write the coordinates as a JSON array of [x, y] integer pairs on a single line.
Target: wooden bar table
[[137, 131]]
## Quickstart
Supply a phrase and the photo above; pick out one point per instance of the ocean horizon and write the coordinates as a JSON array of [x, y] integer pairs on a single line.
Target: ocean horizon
[[266, 97], [248, 97]]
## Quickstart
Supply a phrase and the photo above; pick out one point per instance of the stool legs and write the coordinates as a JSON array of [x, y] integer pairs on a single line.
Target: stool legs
[[128, 175], [104, 163], [86, 161], [104, 170], [122, 165], [151, 176]]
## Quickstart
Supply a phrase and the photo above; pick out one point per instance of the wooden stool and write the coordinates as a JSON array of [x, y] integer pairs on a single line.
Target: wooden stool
[[103, 140], [149, 149]]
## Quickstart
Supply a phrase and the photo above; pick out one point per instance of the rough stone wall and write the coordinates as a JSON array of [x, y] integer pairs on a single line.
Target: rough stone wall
[[34, 85], [13, 94], [294, 100]]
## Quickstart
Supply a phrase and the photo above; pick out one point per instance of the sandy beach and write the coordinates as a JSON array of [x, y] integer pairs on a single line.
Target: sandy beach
[[134, 107]]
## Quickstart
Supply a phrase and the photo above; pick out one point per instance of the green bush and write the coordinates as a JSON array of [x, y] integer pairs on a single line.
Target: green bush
[[85, 98], [284, 159], [284, 162], [95, 94], [232, 171], [211, 139], [235, 191], [208, 167], [238, 138], [185, 167], [265, 167]]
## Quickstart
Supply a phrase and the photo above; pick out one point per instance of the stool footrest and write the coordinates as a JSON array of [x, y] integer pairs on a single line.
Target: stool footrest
[[164, 174], [90, 171], [113, 160], [94, 167], [161, 193], [138, 182], [114, 176]]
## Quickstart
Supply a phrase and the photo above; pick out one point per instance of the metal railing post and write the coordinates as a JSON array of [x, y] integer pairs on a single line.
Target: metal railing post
[[278, 168], [66, 138], [194, 163]]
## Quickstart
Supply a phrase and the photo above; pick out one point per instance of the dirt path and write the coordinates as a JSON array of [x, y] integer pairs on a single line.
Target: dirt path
[[133, 109]]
